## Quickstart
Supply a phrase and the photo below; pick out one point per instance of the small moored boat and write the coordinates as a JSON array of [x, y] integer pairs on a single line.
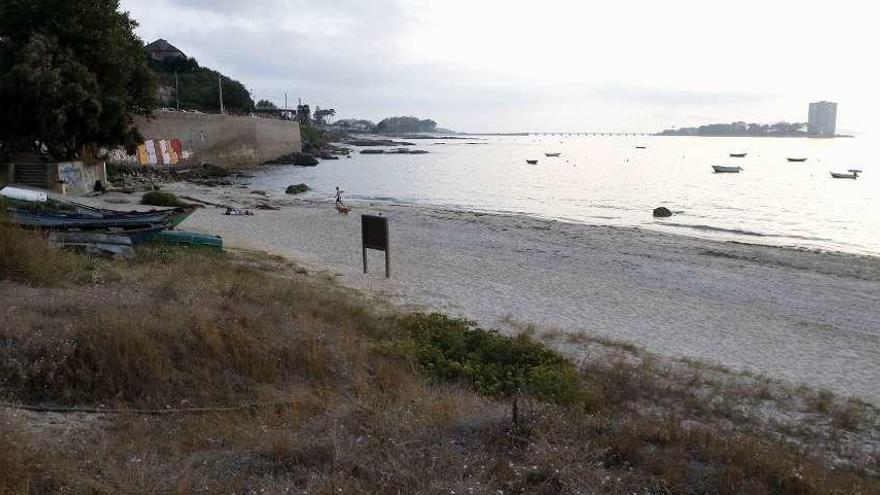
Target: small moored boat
[[722, 169], [641, 147], [853, 174], [738, 155], [532, 162], [796, 159], [552, 155]]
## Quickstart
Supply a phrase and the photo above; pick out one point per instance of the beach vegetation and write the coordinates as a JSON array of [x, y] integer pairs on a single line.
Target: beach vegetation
[[162, 198], [26, 257], [456, 350], [182, 371]]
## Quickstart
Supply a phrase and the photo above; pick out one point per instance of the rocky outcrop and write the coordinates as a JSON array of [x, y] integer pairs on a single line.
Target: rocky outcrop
[[398, 151], [662, 212], [376, 142], [297, 189], [296, 158]]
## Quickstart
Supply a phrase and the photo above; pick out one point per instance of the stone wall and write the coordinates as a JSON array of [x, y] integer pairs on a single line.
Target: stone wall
[[185, 138]]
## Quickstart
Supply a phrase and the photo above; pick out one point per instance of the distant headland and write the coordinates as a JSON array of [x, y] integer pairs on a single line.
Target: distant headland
[[822, 123], [742, 129]]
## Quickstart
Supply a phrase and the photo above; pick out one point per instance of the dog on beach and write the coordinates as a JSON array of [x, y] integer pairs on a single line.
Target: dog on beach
[[342, 210]]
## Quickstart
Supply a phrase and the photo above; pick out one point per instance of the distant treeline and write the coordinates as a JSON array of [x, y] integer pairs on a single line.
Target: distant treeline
[[390, 125], [741, 129], [198, 87]]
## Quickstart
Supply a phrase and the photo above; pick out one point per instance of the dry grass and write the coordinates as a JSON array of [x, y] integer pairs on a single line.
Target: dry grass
[[179, 329], [25, 256]]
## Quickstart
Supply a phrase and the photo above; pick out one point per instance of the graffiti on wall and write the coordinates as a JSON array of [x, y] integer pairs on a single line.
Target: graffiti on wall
[[161, 152], [71, 173]]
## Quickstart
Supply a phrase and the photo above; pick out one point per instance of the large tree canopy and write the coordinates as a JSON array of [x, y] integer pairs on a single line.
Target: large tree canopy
[[72, 74]]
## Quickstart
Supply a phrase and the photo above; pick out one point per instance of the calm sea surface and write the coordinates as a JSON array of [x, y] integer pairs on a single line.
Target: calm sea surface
[[606, 180]]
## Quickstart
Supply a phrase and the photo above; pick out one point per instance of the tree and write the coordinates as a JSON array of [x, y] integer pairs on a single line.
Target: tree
[[266, 105], [322, 116], [304, 114], [198, 86], [406, 124], [72, 74]]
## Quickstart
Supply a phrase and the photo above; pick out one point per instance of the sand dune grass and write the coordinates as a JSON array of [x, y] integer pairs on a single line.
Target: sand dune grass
[[350, 398]]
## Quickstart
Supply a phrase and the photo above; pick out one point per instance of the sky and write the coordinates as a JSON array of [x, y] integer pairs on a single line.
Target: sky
[[544, 66]]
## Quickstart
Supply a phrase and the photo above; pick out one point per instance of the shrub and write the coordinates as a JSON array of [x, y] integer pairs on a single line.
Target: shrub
[[161, 198], [498, 366]]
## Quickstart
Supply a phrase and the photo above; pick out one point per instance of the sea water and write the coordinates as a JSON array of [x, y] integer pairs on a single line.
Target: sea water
[[607, 180]]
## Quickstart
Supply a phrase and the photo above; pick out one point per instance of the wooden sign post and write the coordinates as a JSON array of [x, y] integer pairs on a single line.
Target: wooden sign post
[[374, 231]]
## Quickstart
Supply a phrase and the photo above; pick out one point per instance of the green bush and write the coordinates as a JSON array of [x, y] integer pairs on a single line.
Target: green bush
[[161, 198], [498, 366]]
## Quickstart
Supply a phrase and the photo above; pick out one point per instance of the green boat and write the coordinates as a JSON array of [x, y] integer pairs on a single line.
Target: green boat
[[180, 238]]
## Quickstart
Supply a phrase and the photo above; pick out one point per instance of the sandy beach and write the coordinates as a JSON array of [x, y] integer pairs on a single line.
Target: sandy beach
[[804, 317]]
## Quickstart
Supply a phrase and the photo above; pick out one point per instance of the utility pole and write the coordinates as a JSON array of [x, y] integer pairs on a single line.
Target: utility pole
[[220, 83], [285, 102], [177, 90]]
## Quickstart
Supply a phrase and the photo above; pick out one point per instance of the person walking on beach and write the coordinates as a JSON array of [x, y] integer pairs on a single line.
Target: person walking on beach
[[339, 197]]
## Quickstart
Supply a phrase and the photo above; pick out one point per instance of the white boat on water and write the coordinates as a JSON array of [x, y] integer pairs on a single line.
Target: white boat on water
[[853, 174], [723, 169]]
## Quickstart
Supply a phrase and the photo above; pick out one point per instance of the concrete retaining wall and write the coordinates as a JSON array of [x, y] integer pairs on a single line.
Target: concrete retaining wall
[[65, 177], [183, 138]]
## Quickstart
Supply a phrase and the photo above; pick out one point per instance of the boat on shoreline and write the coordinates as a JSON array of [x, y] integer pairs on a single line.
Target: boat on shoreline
[[853, 174], [797, 160], [36, 209], [552, 155], [106, 219], [738, 155], [532, 162], [641, 147], [723, 169]]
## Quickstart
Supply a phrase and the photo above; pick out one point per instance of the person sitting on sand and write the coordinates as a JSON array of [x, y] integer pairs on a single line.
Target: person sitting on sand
[[339, 197]]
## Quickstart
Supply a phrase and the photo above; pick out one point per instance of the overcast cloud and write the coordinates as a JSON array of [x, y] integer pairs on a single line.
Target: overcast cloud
[[551, 65]]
